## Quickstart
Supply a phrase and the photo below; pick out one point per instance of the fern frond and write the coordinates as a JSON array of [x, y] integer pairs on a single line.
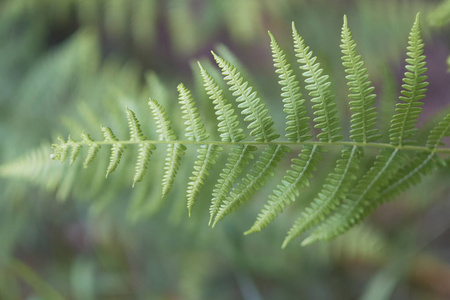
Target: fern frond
[[344, 195], [171, 166], [92, 151], [35, 167], [74, 151], [207, 154], [336, 186], [326, 112], [230, 132], [262, 170], [354, 208], [296, 177], [116, 150], [134, 127], [60, 150], [421, 165], [297, 124], [298, 130], [174, 151], [438, 133], [414, 88], [261, 124], [409, 175], [228, 124], [364, 197], [363, 121], [364, 118], [237, 159], [193, 122], [144, 149], [318, 86]]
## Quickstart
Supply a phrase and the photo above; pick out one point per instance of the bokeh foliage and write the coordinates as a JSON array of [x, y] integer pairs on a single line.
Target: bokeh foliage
[[70, 62]]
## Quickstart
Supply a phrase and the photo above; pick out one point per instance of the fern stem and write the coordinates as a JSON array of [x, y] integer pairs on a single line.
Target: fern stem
[[286, 143]]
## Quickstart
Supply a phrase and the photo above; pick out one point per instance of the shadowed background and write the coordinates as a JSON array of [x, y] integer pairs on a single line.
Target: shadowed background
[[67, 233]]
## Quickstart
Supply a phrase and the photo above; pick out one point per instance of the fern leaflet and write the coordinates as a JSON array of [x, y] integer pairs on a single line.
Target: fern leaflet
[[207, 154], [144, 148], [174, 151]]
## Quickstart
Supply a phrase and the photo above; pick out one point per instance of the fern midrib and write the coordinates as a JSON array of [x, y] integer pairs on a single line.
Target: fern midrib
[[274, 143]]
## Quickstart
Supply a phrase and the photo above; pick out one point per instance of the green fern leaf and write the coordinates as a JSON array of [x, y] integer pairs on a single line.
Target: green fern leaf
[[326, 120], [255, 179], [228, 124], [318, 87], [74, 151], [364, 117], [297, 124], [261, 125], [363, 121], [174, 151], [207, 154], [237, 159], [116, 150], [343, 200], [60, 150], [421, 165], [438, 133], [230, 132], [354, 208], [193, 122], [92, 151], [297, 130], [335, 187], [144, 149], [296, 177], [363, 198], [414, 88]]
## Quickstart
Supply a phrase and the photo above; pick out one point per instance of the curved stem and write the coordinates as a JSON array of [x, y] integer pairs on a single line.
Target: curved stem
[[286, 143]]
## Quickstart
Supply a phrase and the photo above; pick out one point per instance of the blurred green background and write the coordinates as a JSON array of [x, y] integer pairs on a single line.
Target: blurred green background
[[67, 233]]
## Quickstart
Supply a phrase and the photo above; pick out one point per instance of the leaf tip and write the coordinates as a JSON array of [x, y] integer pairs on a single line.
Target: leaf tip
[[309, 240]]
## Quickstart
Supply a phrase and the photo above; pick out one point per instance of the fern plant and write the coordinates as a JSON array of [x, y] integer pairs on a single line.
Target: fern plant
[[346, 197]]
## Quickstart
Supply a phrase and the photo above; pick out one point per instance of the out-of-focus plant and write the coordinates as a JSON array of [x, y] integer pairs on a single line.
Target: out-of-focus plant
[[86, 61]]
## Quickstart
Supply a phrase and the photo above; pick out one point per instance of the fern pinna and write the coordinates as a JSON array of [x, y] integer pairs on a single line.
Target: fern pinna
[[346, 196]]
